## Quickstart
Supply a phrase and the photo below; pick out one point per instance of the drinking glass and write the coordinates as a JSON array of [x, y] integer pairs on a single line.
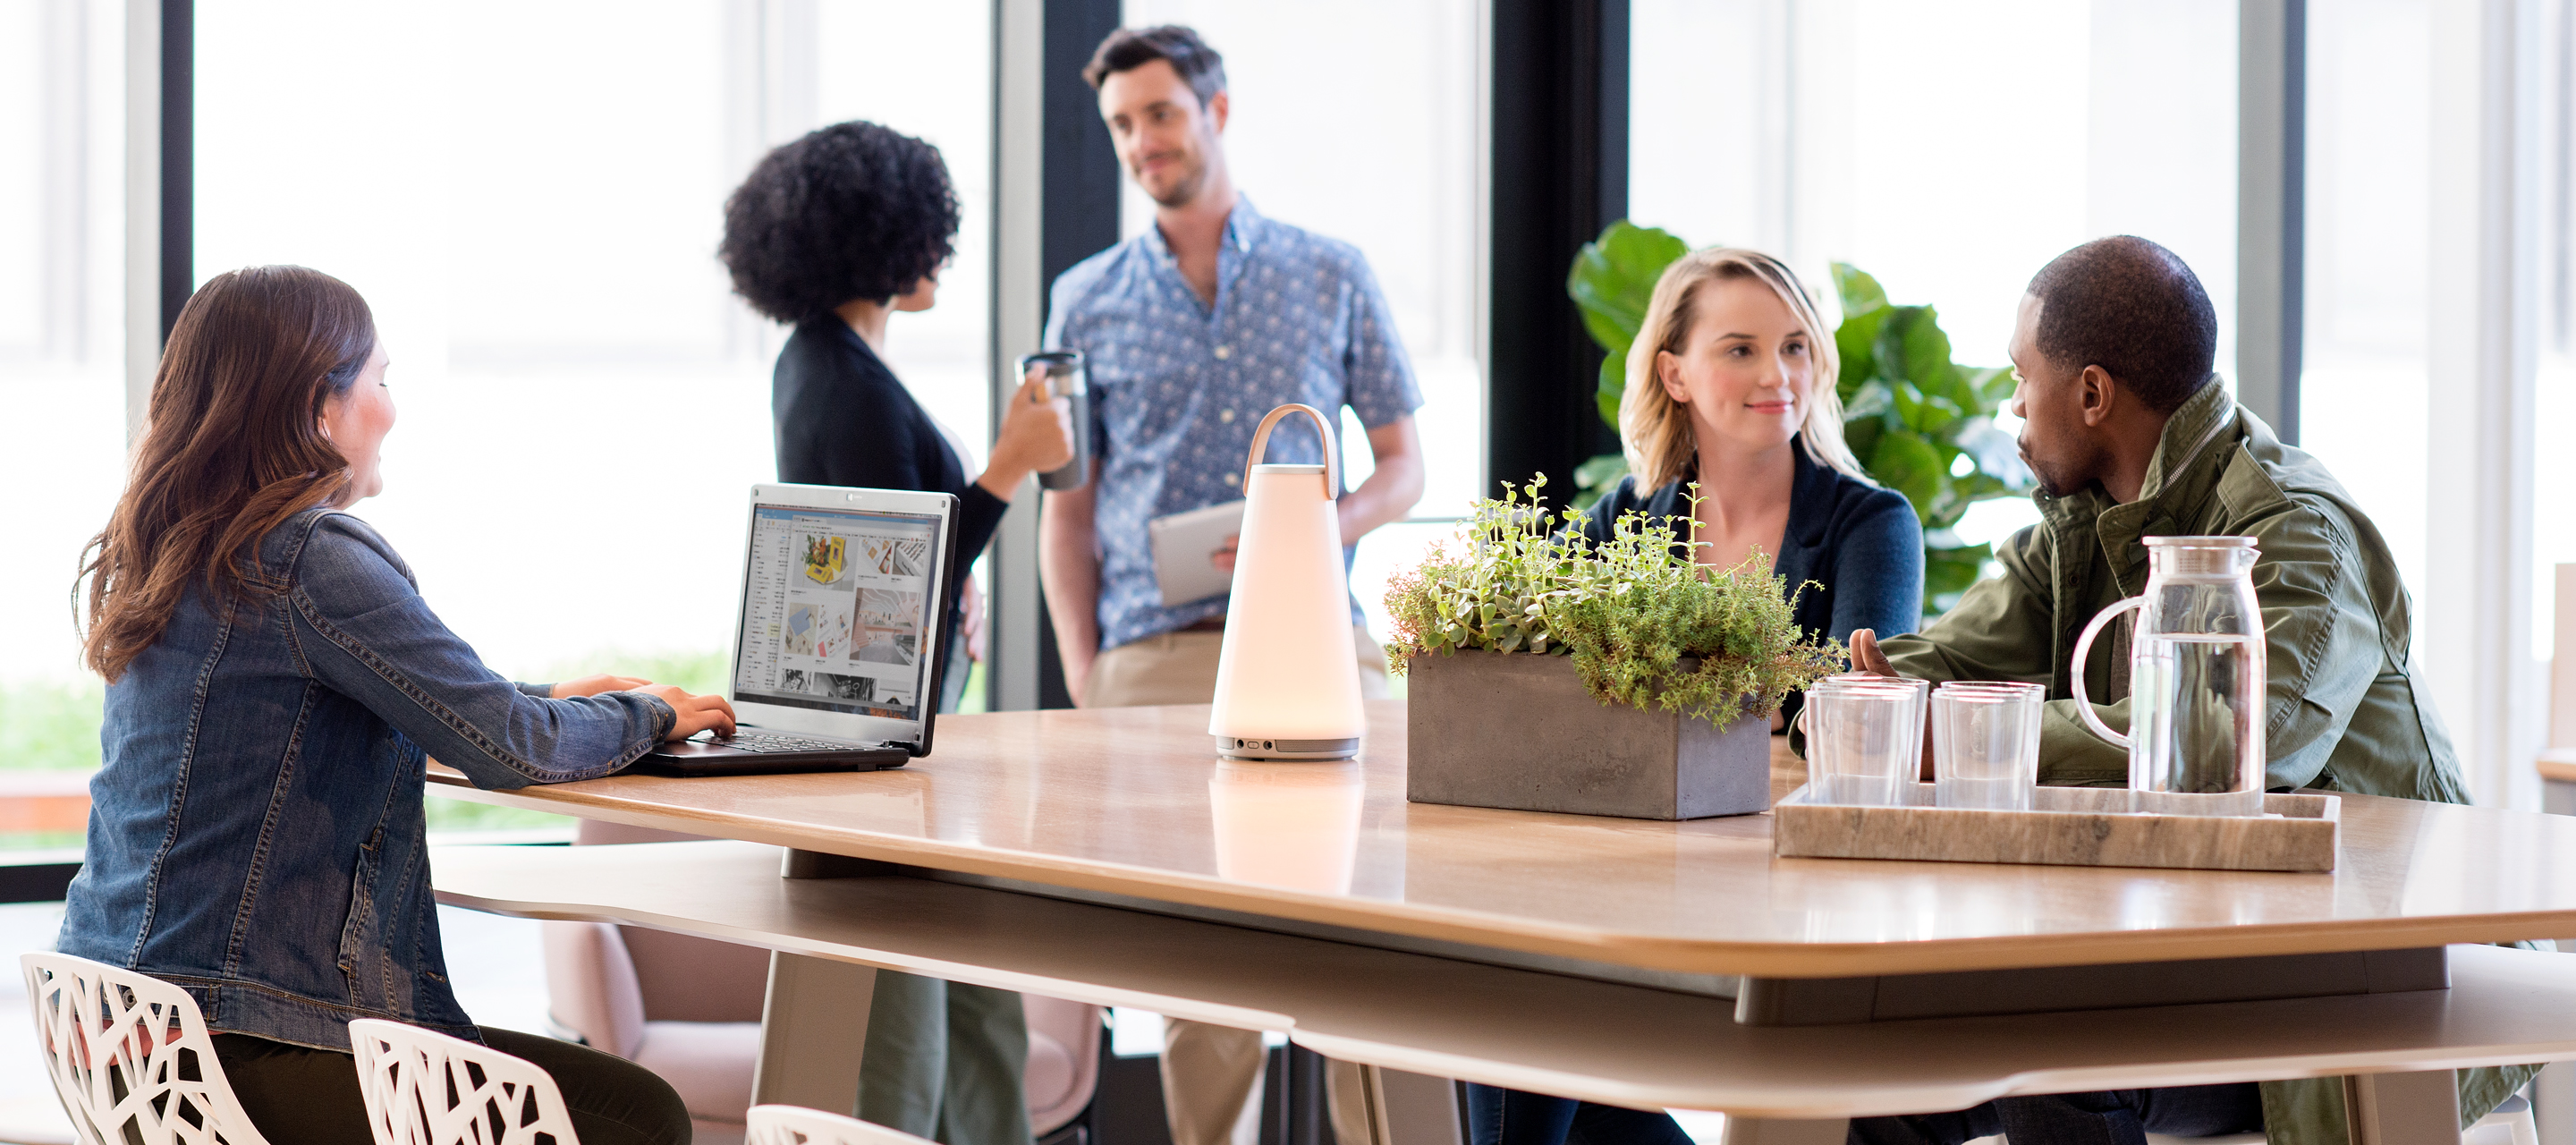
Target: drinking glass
[[1865, 740], [1985, 744]]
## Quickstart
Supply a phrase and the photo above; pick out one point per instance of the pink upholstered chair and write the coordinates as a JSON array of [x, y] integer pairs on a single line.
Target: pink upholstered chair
[[688, 1009]]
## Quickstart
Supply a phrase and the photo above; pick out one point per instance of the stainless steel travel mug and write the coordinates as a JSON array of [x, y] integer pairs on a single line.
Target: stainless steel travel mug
[[1067, 379]]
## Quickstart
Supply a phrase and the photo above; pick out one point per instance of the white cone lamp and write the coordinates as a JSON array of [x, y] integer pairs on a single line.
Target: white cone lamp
[[1288, 678]]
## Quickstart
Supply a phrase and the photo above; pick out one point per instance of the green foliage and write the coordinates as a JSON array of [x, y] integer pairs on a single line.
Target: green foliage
[[1646, 626], [693, 672], [1924, 426], [1612, 281], [1594, 479], [1920, 423], [447, 814], [50, 725]]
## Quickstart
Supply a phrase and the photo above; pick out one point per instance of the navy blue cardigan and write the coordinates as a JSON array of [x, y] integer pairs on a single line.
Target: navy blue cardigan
[[1860, 544]]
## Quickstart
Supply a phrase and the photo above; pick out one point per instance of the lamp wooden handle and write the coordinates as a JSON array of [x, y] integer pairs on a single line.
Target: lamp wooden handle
[[1332, 455]]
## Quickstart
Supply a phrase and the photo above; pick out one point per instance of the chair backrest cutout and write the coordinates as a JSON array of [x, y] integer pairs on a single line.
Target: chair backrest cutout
[[795, 1125], [130, 1057], [423, 1087]]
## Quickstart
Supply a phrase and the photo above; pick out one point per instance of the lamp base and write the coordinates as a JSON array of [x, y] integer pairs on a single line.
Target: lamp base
[[1246, 747]]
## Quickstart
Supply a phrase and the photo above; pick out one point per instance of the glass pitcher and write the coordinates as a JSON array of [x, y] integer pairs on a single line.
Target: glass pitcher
[[2196, 680]]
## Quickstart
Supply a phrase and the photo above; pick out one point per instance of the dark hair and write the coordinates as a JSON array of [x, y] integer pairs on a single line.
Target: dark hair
[[854, 210], [2131, 307], [233, 448], [1197, 64]]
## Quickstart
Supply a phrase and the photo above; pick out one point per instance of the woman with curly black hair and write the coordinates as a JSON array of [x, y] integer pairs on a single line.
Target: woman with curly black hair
[[833, 233]]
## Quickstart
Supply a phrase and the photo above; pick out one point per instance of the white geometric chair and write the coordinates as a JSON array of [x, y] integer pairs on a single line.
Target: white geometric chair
[[796, 1125], [130, 1057], [476, 1095]]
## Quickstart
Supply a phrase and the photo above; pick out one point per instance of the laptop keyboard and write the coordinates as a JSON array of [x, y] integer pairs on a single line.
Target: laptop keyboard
[[765, 742]]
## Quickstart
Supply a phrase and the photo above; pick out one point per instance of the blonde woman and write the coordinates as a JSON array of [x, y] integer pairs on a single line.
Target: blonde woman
[[1731, 384]]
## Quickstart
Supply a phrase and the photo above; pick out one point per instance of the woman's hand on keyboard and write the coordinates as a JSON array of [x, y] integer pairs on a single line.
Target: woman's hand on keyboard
[[697, 713]]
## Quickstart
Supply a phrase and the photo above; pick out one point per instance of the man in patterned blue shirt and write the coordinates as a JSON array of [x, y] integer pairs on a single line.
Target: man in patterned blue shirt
[[1193, 331]]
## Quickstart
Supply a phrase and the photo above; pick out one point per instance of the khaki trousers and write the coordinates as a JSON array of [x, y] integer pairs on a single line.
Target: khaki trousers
[[1180, 668], [1211, 1074]]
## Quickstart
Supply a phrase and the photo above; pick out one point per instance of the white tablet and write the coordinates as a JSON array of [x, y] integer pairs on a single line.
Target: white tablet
[[1183, 543]]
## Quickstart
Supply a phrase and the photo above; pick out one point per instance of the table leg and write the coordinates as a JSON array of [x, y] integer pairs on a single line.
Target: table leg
[[1373, 1105], [1415, 1109], [2403, 1108], [1754, 1131], [812, 1030], [2553, 1102]]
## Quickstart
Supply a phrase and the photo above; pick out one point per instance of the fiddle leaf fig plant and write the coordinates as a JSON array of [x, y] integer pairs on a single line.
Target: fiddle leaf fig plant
[[1924, 426], [1645, 625], [1920, 423], [1612, 281]]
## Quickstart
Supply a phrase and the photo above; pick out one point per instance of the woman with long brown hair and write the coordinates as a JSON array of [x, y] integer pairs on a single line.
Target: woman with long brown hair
[[275, 685]]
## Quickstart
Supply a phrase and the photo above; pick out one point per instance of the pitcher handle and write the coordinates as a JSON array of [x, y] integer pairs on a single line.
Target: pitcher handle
[[2084, 646]]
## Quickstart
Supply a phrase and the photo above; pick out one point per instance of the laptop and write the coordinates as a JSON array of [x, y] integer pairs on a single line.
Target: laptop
[[839, 635]]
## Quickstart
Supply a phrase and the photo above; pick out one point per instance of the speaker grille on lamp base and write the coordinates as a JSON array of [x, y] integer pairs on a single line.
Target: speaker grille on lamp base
[[1244, 747]]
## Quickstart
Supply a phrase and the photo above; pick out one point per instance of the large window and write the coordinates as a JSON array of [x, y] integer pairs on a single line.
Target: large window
[[2553, 533], [531, 198], [2362, 392], [945, 98], [1949, 149], [1388, 165], [534, 216], [62, 369]]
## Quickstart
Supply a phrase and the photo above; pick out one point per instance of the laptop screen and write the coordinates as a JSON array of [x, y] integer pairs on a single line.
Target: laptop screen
[[838, 612]]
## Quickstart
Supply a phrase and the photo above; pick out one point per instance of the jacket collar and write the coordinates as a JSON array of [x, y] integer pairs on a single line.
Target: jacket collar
[[2190, 458], [834, 332]]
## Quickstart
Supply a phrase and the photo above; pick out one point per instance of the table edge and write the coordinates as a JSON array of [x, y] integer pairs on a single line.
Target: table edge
[[1698, 957]]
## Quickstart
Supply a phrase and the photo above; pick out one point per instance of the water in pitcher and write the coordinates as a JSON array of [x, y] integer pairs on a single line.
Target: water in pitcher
[[2196, 722]]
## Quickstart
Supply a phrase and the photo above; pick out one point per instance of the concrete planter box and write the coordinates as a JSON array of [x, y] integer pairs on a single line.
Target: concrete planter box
[[1512, 730]]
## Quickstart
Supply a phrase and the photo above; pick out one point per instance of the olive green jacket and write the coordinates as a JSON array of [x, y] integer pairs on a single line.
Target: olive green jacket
[[2347, 709]]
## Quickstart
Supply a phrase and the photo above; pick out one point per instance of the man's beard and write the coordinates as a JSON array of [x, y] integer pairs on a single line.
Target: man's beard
[[2052, 483], [1184, 188]]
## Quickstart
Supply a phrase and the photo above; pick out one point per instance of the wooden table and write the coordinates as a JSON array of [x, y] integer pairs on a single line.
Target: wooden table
[[2558, 781], [1129, 809]]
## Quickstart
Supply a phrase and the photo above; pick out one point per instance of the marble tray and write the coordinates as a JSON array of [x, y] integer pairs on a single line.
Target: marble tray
[[2067, 826]]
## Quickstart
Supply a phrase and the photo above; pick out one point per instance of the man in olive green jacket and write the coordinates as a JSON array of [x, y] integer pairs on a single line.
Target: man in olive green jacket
[[2130, 435]]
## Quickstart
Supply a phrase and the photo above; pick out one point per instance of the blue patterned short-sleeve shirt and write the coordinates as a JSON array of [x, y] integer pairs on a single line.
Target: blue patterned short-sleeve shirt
[[1177, 386]]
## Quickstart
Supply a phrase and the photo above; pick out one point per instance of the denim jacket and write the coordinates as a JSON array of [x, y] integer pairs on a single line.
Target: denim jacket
[[256, 834]]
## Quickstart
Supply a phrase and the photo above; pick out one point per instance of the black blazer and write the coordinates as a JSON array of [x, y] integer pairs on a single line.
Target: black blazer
[[842, 419], [1860, 544]]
